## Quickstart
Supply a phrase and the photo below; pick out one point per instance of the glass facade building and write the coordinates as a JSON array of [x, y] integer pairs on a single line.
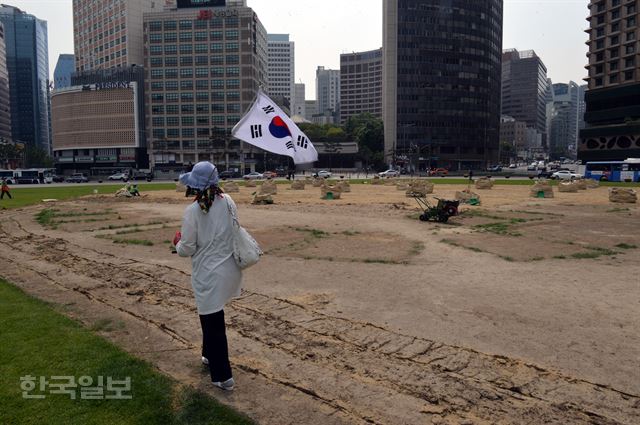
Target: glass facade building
[[441, 81], [64, 68], [5, 99], [28, 66], [203, 70]]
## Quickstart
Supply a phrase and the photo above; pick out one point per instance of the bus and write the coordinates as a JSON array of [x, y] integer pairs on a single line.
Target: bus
[[614, 171], [8, 176], [34, 175]]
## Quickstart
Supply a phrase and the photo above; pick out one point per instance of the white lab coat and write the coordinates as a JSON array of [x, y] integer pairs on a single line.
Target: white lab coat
[[208, 240]]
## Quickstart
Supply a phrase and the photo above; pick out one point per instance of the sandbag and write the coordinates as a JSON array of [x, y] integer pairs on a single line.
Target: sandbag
[[344, 186], [259, 199], [592, 184], [298, 185], [623, 195], [335, 191], [542, 189], [570, 187], [419, 188], [251, 183], [484, 183], [269, 187], [466, 195]]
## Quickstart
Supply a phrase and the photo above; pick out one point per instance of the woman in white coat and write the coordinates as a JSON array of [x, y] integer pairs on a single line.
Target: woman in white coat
[[207, 237]]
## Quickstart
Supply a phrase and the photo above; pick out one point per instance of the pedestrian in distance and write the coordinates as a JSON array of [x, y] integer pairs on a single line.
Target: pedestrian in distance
[[5, 190], [207, 237]]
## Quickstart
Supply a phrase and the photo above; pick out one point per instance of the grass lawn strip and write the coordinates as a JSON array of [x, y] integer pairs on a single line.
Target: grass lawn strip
[[40, 342]]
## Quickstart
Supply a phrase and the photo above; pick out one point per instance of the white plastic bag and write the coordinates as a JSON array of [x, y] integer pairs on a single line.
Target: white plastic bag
[[246, 250]]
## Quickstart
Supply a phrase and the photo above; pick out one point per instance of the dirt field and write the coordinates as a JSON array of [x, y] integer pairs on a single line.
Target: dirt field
[[520, 310]]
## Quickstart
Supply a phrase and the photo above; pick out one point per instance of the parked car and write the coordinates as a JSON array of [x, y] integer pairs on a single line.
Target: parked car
[[77, 178], [119, 176], [270, 174], [389, 173], [495, 168], [253, 176], [565, 175], [512, 166], [324, 174], [142, 176], [57, 179], [281, 172], [229, 175], [438, 172]]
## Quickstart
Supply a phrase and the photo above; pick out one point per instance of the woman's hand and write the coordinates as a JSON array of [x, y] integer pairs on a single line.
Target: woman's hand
[[177, 238]]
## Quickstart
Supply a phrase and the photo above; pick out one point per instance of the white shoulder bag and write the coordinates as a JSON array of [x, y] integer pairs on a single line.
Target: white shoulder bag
[[246, 250]]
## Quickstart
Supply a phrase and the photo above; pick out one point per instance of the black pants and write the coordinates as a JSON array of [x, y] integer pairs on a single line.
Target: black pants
[[3, 193], [214, 346]]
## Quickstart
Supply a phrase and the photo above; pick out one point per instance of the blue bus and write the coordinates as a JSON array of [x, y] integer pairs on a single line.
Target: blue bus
[[614, 171]]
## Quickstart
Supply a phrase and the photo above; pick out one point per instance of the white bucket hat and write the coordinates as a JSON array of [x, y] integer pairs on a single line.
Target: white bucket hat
[[203, 175]]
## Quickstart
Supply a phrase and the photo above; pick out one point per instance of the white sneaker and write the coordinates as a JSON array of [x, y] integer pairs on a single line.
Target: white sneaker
[[205, 361], [226, 385]]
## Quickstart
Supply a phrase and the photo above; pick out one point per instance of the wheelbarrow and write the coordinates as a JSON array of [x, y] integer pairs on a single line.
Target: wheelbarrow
[[439, 212]]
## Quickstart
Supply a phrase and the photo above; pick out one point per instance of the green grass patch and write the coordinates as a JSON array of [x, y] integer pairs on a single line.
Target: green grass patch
[[615, 210], [498, 228], [142, 242], [40, 342], [23, 197], [45, 216], [316, 233], [626, 246]]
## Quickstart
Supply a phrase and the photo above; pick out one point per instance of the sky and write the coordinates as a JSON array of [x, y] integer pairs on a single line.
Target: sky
[[324, 29]]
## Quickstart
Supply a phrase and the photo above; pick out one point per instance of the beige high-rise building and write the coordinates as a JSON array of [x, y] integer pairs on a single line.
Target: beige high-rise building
[[360, 84], [109, 33]]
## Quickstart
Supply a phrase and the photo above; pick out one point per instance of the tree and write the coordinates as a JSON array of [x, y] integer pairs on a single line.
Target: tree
[[368, 132], [36, 157]]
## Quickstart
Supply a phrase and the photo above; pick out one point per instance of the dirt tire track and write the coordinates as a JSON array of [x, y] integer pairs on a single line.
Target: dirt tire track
[[450, 382]]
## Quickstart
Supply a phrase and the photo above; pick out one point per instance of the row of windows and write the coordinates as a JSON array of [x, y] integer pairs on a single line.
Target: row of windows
[[616, 78], [199, 72], [198, 60], [198, 108], [184, 96], [169, 37], [161, 133], [187, 49], [201, 108], [231, 21], [185, 121]]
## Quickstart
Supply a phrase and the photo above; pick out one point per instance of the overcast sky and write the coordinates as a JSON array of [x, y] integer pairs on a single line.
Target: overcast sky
[[324, 29]]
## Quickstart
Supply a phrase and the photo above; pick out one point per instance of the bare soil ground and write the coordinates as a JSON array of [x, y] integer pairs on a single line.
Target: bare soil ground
[[521, 310]]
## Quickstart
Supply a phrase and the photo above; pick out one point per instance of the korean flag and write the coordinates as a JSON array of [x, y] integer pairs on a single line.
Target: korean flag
[[268, 127]]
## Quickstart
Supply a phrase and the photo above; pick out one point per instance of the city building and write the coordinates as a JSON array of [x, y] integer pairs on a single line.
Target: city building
[[360, 84], [5, 97], [27, 49], [525, 89], [612, 115], [108, 34], [299, 103], [562, 119], [98, 122], [441, 81], [582, 108], [513, 134], [310, 109], [65, 66], [203, 69], [281, 67], [328, 93]]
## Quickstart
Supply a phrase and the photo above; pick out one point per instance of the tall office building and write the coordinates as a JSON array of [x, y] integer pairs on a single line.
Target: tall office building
[[361, 84], [203, 68], [299, 104], [328, 92], [525, 89], [5, 98], [65, 66], [28, 68], [108, 33], [562, 119], [281, 68], [612, 130], [441, 80]]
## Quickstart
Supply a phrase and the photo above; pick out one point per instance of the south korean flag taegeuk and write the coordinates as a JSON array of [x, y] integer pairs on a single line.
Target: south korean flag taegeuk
[[268, 127]]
